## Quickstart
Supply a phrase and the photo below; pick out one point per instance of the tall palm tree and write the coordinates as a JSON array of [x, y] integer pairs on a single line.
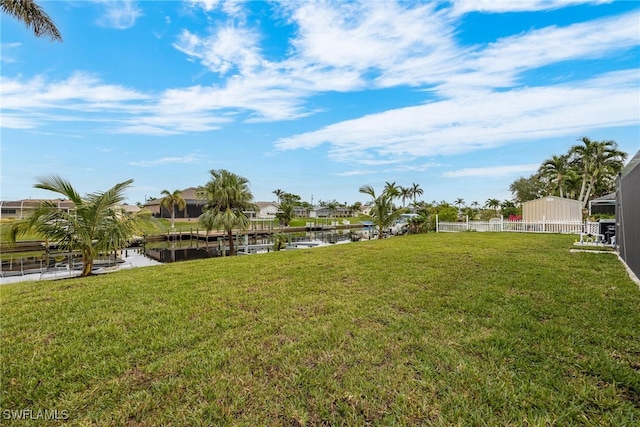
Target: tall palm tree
[[459, 202], [416, 191], [556, 169], [279, 193], [405, 193], [608, 162], [227, 197], [33, 16], [383, 212], [171, 201], [96, 224]]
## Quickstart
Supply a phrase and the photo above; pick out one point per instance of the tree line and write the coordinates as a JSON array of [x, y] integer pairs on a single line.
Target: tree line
[[588, 170]]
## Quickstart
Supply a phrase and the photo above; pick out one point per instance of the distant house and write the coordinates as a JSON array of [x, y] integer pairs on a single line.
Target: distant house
[[193, 207], [552, 209], [266, 210], [23, 208], [20, 209], [304, 212], [340, 212]]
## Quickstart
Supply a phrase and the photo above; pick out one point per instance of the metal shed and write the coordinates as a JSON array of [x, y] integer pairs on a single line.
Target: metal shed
[[552, 208]]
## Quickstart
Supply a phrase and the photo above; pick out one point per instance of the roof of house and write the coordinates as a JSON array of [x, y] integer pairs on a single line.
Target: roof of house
[[263, 205]]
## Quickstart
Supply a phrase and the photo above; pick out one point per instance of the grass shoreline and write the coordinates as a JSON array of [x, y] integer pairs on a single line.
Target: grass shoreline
[[466, 328]]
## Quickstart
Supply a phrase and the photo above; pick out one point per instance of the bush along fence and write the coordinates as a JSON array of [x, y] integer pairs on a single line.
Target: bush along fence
[[519, 226]]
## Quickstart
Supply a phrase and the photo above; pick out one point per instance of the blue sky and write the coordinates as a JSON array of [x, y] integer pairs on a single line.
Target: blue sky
[[314, 98]]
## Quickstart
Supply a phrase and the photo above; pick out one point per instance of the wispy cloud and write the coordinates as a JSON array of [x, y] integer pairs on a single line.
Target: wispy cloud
[[466, 124], [493, 171], [461, 7], [477, 98], [119, 14], [355, 172], [189, 158], [7, 56]]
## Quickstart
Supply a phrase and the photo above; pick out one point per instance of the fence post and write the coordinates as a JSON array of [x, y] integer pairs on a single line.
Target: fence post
[[436, 223], [467, 222], [501, 223], [544, 225]]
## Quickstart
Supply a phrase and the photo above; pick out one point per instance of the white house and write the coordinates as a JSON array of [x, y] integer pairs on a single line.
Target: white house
[[267, 210]]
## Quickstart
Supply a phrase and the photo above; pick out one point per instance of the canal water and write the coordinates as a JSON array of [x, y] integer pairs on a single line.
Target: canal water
[[173, 251], [190, 249]]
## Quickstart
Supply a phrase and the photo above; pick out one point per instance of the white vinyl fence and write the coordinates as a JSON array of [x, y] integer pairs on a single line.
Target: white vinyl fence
[[496, 225]]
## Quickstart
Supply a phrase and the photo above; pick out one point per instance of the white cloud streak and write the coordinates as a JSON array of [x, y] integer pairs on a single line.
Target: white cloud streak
[[492, 172], [188, 159], [461, 7], [483, 121]]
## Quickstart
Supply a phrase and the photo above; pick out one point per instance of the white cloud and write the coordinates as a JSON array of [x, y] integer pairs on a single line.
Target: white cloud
[[187, 159], [346, 47], [493, 171], [7, 56], [503, 6], [508, 57], [119, 14], [226, 49], [206, 5], [356, 172], [37, 101], [230, 7], [480, 121]]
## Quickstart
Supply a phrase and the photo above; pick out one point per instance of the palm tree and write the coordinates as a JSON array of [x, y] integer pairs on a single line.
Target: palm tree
[[392, 189], [171, 201], [96, 224], [493, 204], [416, 191], [355, 209], [279, 193], [227, 197], [331, 207], [555, 169], [595, 159], [459, 202], [405, 193], [33, 16], [383, 212]]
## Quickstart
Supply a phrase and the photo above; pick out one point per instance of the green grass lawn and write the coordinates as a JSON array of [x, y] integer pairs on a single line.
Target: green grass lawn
[[439, 329]]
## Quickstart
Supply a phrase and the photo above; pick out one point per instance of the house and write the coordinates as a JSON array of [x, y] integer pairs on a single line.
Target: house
[[266, 210], [552, 209], [20, 209], [339, 212], [193, 207]]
